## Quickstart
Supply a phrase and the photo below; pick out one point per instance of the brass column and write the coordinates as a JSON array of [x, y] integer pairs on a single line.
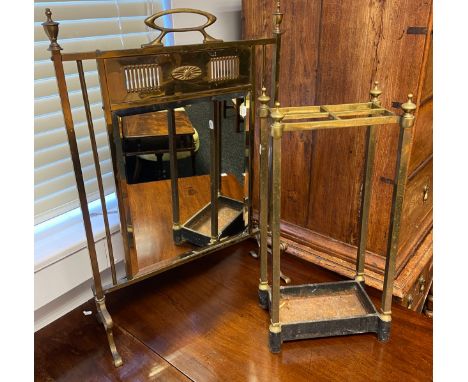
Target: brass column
[[176, 231], [51, 29], [276, 133], [263, 152], [367, 189], [97, 168], [406, 123]]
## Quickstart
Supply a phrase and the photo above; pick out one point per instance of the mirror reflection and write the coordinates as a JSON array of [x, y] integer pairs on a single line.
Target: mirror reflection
[[199, 197]]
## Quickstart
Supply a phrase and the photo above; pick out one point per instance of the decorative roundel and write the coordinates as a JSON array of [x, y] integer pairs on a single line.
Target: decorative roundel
[[185, 73]]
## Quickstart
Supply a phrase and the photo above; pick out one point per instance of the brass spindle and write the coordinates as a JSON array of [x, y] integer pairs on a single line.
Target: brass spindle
[[263, 152], [276, 133], [367, 190], [97, 168], [174, 175], [404, 145]]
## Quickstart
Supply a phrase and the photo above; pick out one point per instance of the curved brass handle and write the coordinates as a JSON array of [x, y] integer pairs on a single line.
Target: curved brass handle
[[150, 21]]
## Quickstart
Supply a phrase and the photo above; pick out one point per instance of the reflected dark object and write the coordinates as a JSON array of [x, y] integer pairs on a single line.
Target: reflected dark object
[[197, 229]]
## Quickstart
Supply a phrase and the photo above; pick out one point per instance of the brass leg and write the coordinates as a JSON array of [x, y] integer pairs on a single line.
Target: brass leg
[[214, 176], [263, 286], [176, 229], [106, 320], [365, 203], [366, 194], [275, 326], [406, 123]]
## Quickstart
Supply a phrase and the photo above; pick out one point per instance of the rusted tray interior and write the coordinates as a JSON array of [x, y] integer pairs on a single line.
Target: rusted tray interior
[[323, 302], [197, 229]]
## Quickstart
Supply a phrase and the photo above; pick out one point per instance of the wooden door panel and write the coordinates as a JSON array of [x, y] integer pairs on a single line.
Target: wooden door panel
[[398, 61], [345, 72], [332, 51]]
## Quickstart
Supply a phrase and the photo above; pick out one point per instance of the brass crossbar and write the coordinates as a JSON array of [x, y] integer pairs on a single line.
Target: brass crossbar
[[166, 49], [340, 123], [335, 116]]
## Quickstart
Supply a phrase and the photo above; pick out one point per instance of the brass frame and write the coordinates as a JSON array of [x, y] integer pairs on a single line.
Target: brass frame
[[114, 111], [369, 115]]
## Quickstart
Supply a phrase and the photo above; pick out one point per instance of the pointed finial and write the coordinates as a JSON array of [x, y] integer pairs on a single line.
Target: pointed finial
[[277, 116], [407, 119], [51, 29], [264, 99], [409, 106], [277, 18], [375, 93], [48, 13]]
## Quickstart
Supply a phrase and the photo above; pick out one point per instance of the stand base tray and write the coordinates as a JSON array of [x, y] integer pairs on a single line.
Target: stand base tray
[[197, 230], [326, 309]]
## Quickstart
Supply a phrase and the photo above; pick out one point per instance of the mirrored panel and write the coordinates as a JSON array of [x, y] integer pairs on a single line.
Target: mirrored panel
[[184, 178]]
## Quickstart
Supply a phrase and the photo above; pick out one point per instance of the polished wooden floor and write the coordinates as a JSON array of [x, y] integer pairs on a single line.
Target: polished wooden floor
[[201, 322]]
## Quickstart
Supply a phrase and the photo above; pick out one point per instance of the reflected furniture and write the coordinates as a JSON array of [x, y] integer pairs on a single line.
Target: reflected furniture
[[148, 135]]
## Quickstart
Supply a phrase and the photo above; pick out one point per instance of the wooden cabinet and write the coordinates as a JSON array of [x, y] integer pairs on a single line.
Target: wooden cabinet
[[332, 51]]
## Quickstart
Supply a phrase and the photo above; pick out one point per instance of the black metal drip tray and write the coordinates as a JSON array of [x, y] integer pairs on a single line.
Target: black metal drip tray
[[197, 229], [326, 309]]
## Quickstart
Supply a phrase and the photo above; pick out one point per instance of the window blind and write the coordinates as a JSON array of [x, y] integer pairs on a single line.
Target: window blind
[[85, 25]]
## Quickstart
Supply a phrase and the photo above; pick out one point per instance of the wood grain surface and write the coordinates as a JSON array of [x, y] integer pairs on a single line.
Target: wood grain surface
[[155, 124], [202, 321]]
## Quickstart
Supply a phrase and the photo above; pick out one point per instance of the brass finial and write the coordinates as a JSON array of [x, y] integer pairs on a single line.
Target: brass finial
[[277, 18], [409, 107], [277, 116], [51, 29], [264, 98], [407, 120], [375, 93]]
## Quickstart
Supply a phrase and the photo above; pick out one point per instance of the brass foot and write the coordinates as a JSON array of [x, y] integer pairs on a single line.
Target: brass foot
[[106, 320]]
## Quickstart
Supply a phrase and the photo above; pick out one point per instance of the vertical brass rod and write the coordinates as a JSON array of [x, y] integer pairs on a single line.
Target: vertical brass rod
[[69, 126], [277, 20], [404, 145], [250, 132], [276, 69], [213, 171], [264, 182], [97, 166], [218, 135], [276, 132], [174, 174], [114, 144], [365, 202], [263, 65], [126, 225]]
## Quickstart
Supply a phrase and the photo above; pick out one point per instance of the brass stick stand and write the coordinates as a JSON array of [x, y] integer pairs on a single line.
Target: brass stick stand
[[340, 308]]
